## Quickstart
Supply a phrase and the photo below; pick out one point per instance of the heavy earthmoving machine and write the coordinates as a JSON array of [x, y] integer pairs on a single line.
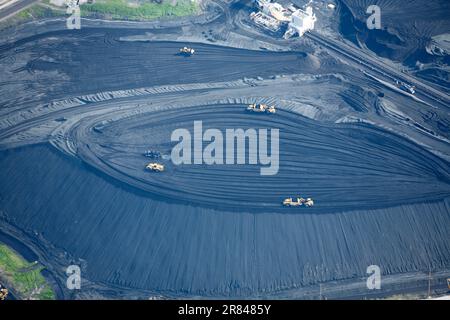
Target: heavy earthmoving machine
[[290, 202], [405, 87], [153, 154], [156, 167], [187, 51], [261, 108], [3, 293]]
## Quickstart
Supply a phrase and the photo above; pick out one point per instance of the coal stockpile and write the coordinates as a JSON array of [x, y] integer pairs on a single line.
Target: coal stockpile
[[137, 241], [62, 64], [342, 166], [83, 114]]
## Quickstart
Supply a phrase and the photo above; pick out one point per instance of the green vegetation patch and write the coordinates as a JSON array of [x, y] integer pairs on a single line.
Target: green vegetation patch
[[22, 276], [132, 10], [138, 11], [36, 12]]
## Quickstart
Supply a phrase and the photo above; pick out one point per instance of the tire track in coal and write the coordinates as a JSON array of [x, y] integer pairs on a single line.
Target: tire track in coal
[[341, 166]]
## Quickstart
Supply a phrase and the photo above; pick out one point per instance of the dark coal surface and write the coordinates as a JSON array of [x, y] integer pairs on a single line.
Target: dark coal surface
[[341, 166], [381, 198], [92, 60], [407, 29], [132, 240]]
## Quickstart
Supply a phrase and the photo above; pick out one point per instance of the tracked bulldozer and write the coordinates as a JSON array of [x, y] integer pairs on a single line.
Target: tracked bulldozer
[[290, 202], [187, 51], [261, 108], [153, 166]]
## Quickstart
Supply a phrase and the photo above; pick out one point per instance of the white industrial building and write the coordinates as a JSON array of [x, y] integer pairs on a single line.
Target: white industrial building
[[272, 15], [302, 21], [276, 11], [265, 21]]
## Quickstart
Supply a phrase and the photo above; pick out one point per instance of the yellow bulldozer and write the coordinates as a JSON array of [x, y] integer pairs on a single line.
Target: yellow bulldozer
[[3, 293], [153, 166], [187, 51], [290, 202], [261, 108]]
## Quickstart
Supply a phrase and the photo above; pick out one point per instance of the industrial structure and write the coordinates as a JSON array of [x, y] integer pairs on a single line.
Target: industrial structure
[[263, 20], [275, 10], [272, 16], [302, 21]]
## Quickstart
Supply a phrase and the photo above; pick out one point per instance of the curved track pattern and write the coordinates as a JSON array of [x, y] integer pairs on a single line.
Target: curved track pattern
[[341, 166], [374, 164]]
